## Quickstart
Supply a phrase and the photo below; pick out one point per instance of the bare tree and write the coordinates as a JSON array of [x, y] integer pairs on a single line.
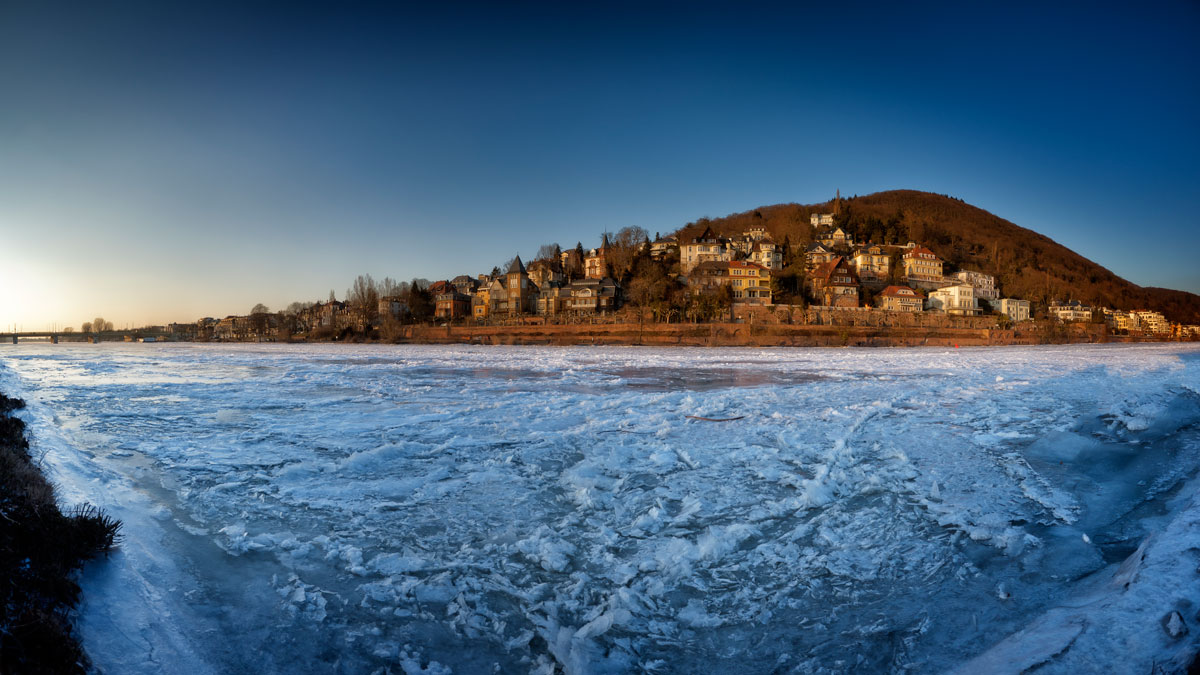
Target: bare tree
[[98, 324], [548, 252], [364, 296], [389, 287], [87, 327], [108, 326], [260, 309]]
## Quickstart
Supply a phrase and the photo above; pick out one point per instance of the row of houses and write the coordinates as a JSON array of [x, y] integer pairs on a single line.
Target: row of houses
[[840, 274], [1133, 321]]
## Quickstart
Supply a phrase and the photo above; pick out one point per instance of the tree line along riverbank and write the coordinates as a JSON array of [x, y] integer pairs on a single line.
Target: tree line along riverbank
[[41, 550]]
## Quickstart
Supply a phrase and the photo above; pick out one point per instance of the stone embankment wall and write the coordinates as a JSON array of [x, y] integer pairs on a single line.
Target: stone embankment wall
[[903, 333]]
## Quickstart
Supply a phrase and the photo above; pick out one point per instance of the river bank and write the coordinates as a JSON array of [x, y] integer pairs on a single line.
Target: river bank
[[41, 549], [755, 335]]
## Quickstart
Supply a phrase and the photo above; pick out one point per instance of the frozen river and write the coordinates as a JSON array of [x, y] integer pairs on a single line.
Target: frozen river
[[293, 509]]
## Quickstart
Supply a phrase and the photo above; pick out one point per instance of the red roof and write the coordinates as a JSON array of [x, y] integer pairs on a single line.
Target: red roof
[[899, 292], [921, 251], [743, 264]]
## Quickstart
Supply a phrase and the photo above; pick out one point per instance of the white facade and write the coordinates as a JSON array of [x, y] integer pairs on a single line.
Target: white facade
[[955, 299], [984, 284], [1153, 322], [821, 219], [1016, 310], [1070, 312]]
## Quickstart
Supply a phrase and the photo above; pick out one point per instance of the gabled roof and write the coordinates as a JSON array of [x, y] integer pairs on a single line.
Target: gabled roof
[[826, 270], [817, 247], [706, 236], [901, 292], [917, 251], [742, 264]]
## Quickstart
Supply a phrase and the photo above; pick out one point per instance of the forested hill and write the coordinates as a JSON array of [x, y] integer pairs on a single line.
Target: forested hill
[[1026, 264]]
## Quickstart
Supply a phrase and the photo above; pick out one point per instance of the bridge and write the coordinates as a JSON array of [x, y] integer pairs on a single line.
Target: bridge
[[55, 337]]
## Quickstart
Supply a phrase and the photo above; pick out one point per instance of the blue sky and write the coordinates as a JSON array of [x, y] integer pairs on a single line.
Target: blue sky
[[162, 162]]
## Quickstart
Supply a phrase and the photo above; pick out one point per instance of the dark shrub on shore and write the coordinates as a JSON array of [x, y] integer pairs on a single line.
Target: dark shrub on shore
[[40, 550]]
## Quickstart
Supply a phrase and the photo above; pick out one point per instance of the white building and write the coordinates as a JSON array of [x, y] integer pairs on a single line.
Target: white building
[[764, 252], [984, 284], [1015, 310], [1070, 311], [707, 247], [1152, 322], [955, 299], [821, 219]]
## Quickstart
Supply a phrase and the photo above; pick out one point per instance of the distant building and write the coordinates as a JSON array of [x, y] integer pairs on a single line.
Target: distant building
[[392, 307], [872, 263], [821, 220], [836, 238], [900, 299], [817, 254], [835, 284], [922, 268], [448, 303], [1071, 311], [707, 247], [1152, 322], [512, 293], [1016, 310], [984, 284], [764, 252], [592, 296], [543, 273], [661, 247], [595, 263], [958, 299]]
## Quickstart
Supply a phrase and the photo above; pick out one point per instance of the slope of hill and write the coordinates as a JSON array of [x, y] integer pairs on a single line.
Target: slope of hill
[[1026, 264]]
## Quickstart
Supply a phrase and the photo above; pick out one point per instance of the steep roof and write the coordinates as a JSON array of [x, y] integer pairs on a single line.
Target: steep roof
[[516, 267], [901, 292], [921, 251]]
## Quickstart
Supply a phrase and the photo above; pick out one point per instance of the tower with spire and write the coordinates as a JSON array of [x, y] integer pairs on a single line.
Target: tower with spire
[[595, 264]]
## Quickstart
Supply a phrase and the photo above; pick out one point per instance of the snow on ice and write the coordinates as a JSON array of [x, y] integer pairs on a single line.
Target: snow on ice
[[466, 509]]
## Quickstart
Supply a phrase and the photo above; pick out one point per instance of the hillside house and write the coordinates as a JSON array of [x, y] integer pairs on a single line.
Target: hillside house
[[553, 299], [836, 238], [1016, 310], [392, 307], [821, 220], [512, 293], [466, 284], [922, 268], [984, 284], [764, 252], [595, 263], [817, 254], [707, 247], [543, 273], [481, 302], [957, 299], [662, 247], [448, 303], [900, 299], [1070, 312], [1151, 322], [872, 263], [835, 284], [592, 296], [749, 283]]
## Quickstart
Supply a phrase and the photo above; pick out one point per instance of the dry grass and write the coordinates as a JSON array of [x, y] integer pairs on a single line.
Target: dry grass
[[41, 548]]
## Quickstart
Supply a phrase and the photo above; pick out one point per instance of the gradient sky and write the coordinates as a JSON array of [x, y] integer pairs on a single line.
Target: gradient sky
[[163, 162]]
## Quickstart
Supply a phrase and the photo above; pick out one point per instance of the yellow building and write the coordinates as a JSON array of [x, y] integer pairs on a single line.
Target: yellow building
[[900, 299], [922, 266]]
